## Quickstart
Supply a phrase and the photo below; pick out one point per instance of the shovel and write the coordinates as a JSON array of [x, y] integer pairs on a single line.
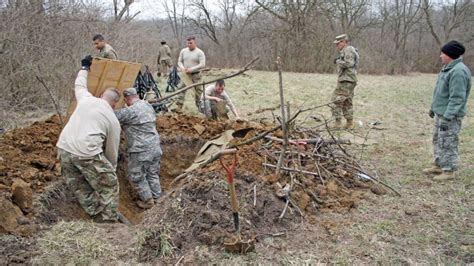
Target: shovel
[[235, 245]]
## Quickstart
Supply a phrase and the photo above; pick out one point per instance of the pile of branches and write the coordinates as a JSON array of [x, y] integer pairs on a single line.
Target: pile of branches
[[318, 157]]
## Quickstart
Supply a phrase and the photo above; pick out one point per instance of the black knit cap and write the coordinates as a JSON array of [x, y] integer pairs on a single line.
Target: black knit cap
[[453, 49]]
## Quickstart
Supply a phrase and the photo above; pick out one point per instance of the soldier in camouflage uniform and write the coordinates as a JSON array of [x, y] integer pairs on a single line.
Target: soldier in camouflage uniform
[[347, 80], [164, 59], [105, 49], [143, 144], [449, 108], [88, 149]]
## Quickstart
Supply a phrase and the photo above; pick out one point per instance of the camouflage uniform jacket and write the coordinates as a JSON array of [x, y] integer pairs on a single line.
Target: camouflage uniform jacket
[[108, 52], [164, 53], [347, 64], [139, 122], [452, 90]]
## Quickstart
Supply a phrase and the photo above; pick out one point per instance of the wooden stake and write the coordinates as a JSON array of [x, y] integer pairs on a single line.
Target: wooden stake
[[284, 119]]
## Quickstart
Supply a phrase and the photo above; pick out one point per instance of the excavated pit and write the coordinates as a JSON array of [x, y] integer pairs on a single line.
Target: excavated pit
[[178, 154], [29, 155]]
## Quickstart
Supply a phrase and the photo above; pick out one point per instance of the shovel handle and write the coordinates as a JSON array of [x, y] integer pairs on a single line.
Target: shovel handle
[[228, 151], [233, 198], [229, 170]]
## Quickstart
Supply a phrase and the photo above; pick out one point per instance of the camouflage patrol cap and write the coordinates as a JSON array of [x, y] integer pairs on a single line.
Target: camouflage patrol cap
[[129, 92], [341, 37]]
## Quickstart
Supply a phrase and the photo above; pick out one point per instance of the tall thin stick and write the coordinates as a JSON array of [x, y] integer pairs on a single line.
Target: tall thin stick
[[284, 124]]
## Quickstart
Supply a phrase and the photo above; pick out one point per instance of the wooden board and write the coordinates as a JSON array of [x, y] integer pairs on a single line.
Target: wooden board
[[106, 73]]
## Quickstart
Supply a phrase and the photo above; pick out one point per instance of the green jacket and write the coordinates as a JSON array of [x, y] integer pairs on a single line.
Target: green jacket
[[347, 64], [108, 52], [452, 90]]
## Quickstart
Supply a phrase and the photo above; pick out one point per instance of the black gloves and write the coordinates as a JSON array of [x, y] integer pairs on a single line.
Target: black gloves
[[443, 123], [335, 60], [431, 113], [86, 62]]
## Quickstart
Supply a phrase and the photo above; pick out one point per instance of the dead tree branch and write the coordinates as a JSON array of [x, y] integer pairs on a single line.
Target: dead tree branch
[[56, 105], [247, 67]]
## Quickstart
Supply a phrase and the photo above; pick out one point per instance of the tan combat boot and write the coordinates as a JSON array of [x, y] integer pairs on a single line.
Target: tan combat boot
[[349, 124], [433, 170], [444, 176], [146, 204], [338, 123]]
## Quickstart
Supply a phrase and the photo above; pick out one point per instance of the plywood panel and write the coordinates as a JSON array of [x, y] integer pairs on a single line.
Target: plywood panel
[[106, 73]]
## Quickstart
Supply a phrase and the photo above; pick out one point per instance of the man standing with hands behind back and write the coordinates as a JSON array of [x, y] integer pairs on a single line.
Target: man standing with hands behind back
[[448, 108], [164, 59]]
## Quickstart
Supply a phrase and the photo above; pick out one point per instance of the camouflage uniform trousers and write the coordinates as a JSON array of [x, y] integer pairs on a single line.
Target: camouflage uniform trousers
[[195, 78], [164, 66], [342, 100], [445, 144], [94, 182], [213, 109], [144, 173]]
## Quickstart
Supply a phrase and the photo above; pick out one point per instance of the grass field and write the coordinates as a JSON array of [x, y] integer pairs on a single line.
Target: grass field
[[431, 222]]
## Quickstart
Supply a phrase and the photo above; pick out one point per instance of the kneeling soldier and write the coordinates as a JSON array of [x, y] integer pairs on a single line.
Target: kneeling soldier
[[214, 106]]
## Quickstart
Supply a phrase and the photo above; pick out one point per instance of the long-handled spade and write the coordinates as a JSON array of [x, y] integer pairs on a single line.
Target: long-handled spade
[[237, 245]]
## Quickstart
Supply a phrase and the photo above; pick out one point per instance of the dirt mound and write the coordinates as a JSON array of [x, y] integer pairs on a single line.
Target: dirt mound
[[27, 165], [30, 154], [199, 213], [30, 170]]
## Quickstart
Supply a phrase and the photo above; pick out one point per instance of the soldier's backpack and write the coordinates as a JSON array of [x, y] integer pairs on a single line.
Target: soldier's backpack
[[356, 59]]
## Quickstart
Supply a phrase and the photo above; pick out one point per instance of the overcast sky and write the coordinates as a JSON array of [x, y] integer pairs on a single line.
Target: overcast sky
[[151, 9]]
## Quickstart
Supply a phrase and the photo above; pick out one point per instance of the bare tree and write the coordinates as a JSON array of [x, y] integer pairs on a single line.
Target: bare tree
[[202, 19], [123, 13], [297, 14], [401, 16], [453, 15], [175, 13], [352, 15]]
